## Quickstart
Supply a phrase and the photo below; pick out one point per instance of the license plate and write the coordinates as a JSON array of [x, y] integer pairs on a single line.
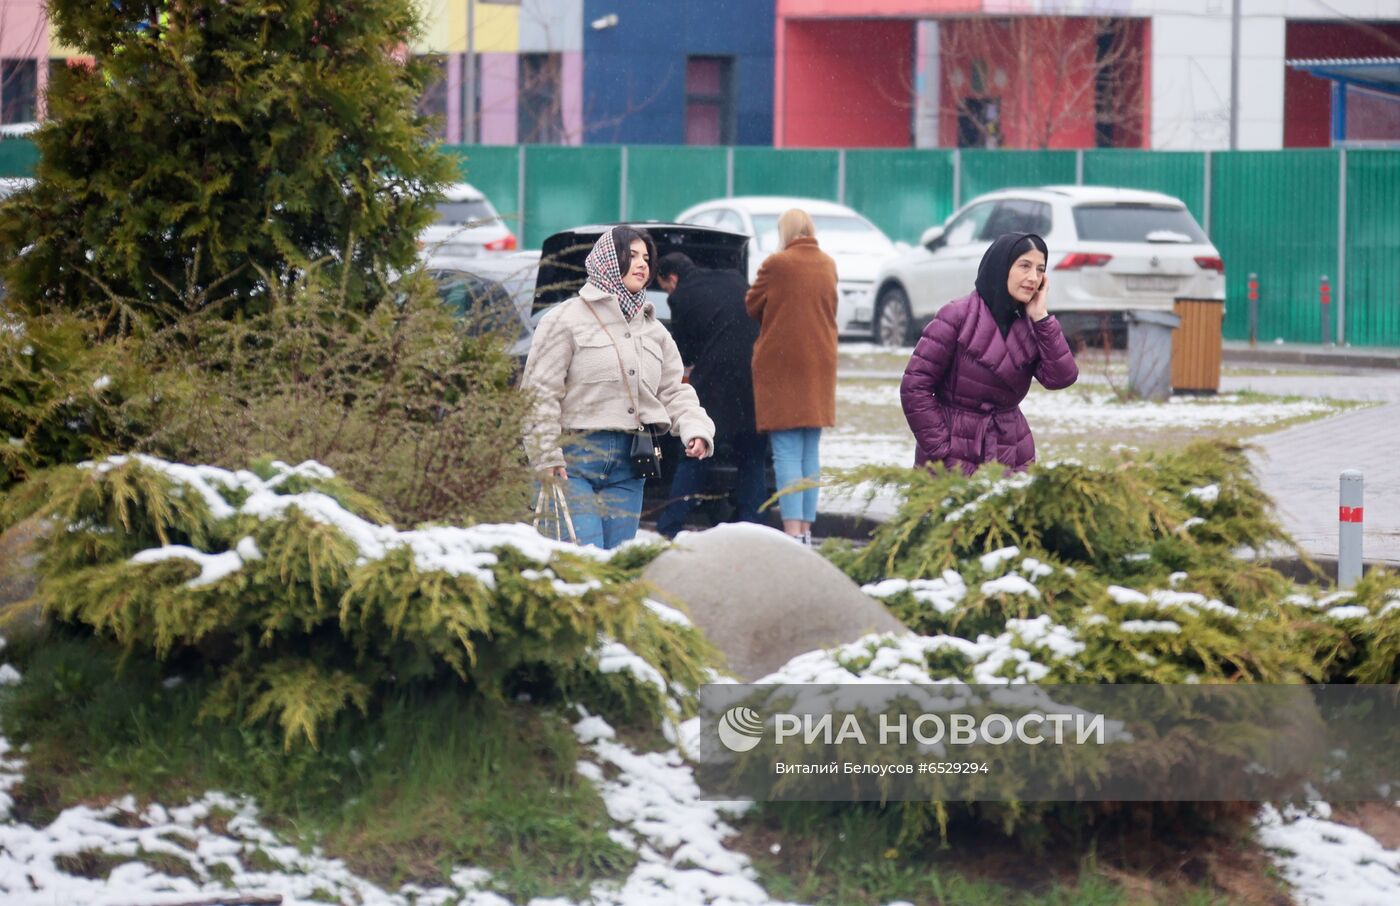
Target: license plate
[[1152, 283]]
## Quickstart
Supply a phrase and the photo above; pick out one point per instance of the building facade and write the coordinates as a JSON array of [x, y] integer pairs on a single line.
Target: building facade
[[1064, 73], [24, 60], [602, 71], [686, 72]]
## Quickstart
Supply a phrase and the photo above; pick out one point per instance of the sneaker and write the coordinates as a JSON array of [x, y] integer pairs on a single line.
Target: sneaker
[[806, 539]]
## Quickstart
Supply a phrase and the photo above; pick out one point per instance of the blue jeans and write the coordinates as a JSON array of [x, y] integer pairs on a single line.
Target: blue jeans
[[796, 458], [689, 483], [604, 493]]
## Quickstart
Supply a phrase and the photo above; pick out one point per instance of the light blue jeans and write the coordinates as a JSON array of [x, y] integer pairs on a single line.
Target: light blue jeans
[[604, 492], [796, 458]]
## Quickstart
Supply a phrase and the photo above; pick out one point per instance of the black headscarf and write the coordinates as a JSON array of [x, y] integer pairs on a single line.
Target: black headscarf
[[995, 270]]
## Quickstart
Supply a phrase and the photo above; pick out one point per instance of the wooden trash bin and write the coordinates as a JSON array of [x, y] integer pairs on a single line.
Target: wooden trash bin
[[1196, 346]]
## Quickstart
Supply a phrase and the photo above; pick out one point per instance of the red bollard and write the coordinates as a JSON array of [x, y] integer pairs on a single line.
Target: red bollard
[[1253, 310], [1325, 297]]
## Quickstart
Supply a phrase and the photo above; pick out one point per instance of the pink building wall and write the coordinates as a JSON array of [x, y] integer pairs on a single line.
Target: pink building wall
[[499, 77], [573, 97], [24, 34]]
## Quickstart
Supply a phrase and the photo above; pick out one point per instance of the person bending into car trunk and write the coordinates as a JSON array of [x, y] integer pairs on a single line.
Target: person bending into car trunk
[[715, 336], [973, 365], [602, 369], [793, 299]]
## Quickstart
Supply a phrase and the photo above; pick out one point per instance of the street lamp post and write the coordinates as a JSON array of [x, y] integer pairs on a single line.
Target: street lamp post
[[469, 79], [1235, 75]]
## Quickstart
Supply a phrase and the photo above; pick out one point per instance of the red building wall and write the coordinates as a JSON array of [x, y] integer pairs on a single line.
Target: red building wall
[[1307, 99], [1041, 73], [844, 83]]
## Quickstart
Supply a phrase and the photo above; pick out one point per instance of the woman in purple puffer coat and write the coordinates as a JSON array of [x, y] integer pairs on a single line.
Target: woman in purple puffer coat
[[974, 363]]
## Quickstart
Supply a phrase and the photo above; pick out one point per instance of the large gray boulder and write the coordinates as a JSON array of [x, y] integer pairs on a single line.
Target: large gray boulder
[[762, 598]]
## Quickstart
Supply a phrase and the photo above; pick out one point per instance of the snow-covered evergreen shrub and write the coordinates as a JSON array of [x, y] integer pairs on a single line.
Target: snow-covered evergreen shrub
[[1138, 517], [1071, 573], [60, 394], [302, 603]]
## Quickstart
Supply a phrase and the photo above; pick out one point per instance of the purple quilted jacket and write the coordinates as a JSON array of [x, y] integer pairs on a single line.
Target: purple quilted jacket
[[964, 383]]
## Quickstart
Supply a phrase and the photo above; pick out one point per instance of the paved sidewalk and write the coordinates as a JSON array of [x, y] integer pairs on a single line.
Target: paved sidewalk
[[1300, 469], [1236, 352]]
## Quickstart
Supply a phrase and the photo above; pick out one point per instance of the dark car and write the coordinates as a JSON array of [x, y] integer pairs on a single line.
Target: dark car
[[490, 293], [561, 274]]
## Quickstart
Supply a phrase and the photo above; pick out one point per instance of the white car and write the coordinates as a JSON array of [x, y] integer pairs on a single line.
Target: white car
[[467, 225], [856, 244], [1111, 251]]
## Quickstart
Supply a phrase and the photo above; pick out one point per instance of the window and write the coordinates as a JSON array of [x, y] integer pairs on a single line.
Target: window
[[709, 101], [19, 91], [433, 101], [1136, 223], [540, 112], [969, 226], [465, 213], [729, 220], [1018, 217], [979, 123]]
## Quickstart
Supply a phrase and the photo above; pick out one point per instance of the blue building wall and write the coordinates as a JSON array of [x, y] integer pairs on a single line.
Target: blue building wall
[[634, 72]]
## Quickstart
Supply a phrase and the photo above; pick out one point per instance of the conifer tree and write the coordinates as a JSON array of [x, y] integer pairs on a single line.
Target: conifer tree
[[216, 145]]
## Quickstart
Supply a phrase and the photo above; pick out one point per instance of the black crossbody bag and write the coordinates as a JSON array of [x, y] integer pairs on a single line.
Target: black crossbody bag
[[645, 455]]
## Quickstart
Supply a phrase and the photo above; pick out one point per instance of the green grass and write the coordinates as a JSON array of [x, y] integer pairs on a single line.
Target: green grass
[[434, 781]]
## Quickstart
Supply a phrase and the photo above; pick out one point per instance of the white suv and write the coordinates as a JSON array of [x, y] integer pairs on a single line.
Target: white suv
[[1111, 251]]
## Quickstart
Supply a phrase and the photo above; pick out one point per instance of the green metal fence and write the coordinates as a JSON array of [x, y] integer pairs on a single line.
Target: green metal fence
[[1274, 213], [1373, 247], [1291, 217], [18, 157]]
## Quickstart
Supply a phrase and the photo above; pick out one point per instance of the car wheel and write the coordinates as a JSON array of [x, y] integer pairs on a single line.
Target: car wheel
[[893, 322]]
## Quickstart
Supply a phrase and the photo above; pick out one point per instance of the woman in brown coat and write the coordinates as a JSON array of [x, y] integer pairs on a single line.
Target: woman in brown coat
[[793, 299]]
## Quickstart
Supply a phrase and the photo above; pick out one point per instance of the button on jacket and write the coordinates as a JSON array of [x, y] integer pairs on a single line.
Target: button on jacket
[[574, 372]]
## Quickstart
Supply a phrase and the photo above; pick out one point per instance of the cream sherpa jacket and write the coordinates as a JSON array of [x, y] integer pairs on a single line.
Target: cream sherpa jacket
[[573, 372]]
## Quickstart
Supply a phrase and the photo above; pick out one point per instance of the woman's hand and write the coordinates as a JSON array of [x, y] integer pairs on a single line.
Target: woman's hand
[[696, 448], [554, 473], [1035, 308]]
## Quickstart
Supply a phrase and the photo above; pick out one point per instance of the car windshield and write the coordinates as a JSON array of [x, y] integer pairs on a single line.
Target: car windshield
[[841, 231], [1136, 223], [465, 213]]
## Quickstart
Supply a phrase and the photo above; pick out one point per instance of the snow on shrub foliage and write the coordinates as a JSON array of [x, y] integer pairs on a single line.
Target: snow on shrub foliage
[[303, 602], [1072, 573]]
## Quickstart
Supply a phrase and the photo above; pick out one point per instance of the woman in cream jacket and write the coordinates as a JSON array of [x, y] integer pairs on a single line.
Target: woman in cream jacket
[[602, 369]]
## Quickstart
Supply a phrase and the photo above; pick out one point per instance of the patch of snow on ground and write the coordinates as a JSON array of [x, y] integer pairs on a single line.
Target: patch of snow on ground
[[1081, 411], [1329, 864]]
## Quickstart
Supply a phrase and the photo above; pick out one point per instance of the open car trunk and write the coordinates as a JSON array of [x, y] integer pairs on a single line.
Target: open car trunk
[[562, 272]]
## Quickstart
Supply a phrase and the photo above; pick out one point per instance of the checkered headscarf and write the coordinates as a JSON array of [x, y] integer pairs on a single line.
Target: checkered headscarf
[[605, 273]]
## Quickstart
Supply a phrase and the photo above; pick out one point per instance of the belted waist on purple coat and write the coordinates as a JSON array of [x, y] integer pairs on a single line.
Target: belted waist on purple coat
[[984, 417]]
